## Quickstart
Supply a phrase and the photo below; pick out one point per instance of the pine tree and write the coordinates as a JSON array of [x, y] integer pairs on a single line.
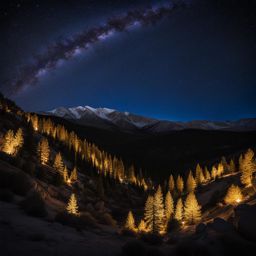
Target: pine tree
[[191, 183], [192, 210], [43, 151], [179, 210], [72, 207], [65, 174], [247, 167], [220, 170], [180, 184], [234, 195], [58, 163], [159, 214], [18, 140], [130, 223], [73, 175], [142, 226], [214, 172], [148, 213], [131, 174], [8, 146], [168, 206], [232, 166], [207, 174], [171, 184], [199, 175]]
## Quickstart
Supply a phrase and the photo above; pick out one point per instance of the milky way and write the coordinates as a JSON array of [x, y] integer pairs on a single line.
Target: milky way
[[68, 48]]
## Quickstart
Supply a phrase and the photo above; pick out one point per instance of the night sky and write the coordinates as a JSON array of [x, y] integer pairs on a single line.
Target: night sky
[[178, 61]]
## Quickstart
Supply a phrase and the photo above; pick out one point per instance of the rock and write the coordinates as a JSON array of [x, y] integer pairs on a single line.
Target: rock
[[201, 228], [89, 207], [100, 206], [221, 226], [245, 221]]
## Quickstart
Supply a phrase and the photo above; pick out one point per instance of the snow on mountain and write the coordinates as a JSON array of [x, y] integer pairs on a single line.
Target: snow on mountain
[[113, 119]]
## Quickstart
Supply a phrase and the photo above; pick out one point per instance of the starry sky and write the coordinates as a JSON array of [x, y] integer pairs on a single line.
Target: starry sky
[[179, 60]]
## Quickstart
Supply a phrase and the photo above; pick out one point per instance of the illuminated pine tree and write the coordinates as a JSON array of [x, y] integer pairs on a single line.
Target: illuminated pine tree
[[179, 210], [224, 164], [247, 167], [43, 151], [192, 210], [220, 170], [148, 213], [171, 183], [207, 174], [18, 140], [65, 174], [58, 163], [159, 213], [72, 206], [130, 223], [168, 206], [199, 175], [180, 184], [73, 175], [234, 195], [8, 145], [214, 172], [142, 226], [191, 183], [232, 166], [131, 174]]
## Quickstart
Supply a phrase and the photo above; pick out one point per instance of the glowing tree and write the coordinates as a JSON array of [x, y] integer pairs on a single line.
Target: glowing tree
[[232, 166], [65, 174], [73, 175], [234, 195], [18, 140], [130, 223], [220, 170], [8, 147], [159, 213], [43, 151], [214, 172], [191, 183], [131, 174], [168, 206], [247, 167], [149, 212], [171, 183], [72, 206], [199, 175], [142, 226], [179, 210], [207, 174], [58, 163], [180, 184], [192, 210]]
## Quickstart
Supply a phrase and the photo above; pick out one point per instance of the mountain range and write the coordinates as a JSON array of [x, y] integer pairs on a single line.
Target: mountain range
[[111, 119]]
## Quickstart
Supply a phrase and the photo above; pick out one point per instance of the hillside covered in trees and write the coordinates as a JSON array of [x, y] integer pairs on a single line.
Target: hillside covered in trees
[[63, 193]]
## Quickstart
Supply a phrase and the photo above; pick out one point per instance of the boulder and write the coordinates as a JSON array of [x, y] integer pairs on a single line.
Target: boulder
[[221, 226], [201, 228], [245, 221]]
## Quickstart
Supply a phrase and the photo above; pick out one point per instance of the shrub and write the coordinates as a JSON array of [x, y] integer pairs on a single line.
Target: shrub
[[107, 219], [78, 222], [29, 167], [34, 205], [152, 239], [6, 195], [133, 248], [173, 225], [18, 182], [21, 184]]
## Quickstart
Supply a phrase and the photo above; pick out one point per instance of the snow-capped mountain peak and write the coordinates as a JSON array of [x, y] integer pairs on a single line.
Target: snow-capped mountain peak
[[112, 119]]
